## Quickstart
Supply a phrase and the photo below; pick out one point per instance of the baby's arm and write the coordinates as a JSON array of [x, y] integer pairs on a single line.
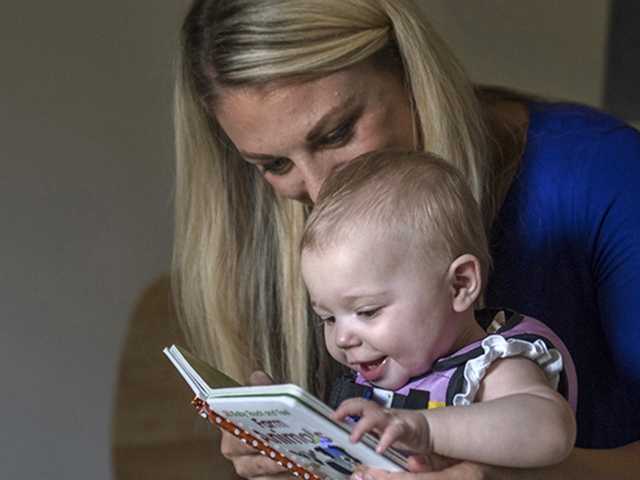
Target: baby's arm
[[518, 420]]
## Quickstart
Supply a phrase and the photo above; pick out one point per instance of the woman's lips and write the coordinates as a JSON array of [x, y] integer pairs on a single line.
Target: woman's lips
[[372, 371]]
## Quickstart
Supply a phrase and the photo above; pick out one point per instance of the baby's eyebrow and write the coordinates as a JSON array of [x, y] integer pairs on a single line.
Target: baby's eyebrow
[[353, 300], [316, 306]]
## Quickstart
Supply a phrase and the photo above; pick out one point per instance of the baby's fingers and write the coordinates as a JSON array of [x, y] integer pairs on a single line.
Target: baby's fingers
[[394, 431], [371, 420], [353, 407]]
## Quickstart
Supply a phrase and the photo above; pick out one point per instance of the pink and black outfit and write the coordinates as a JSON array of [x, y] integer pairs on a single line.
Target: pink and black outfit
[[455, 379]]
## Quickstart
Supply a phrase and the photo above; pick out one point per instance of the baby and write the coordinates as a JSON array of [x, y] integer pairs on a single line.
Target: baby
[[395, 259]]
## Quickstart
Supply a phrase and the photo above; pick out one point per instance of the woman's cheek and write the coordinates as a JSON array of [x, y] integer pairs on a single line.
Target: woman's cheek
[[374, 137]]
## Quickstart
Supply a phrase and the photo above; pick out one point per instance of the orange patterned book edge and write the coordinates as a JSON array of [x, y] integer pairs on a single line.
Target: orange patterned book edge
[[249, 439]]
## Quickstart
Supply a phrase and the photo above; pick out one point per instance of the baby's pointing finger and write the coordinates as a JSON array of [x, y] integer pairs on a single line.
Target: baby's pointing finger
[[394, 431], [353, 406], [374, 419]]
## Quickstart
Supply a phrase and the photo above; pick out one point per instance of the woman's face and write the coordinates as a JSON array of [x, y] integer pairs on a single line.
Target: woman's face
[[297, 133]]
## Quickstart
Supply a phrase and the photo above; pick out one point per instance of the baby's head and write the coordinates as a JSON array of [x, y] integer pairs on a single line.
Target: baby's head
[[394, 255]]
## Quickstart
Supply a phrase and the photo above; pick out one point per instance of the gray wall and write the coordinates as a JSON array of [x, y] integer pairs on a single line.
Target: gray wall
[[85, 190], [555, 48], [85, 211]]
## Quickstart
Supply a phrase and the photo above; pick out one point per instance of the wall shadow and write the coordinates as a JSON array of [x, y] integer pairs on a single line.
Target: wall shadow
[[155, 431]]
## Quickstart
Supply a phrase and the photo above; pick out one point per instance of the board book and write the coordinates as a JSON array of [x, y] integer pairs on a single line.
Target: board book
[[283, 422]]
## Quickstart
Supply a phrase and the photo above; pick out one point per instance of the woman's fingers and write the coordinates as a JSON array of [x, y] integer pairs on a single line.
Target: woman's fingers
[[277, 476], [256, 467], [375, 474], [260, 378], [246, 460], [231, 447], [459, 471]]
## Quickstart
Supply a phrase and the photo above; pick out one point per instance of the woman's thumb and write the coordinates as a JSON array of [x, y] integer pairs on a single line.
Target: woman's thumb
[[260, 378]]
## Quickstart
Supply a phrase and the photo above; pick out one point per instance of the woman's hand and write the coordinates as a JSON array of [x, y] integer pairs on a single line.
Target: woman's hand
[[621, 463], [247, 462], [457, 471]]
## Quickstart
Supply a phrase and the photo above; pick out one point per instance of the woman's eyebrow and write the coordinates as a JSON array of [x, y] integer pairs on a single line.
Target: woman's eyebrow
[[346, 109], [330, 118], [259, 157]]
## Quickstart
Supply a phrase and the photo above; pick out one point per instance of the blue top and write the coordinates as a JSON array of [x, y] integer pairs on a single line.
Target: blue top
[[566, 250]]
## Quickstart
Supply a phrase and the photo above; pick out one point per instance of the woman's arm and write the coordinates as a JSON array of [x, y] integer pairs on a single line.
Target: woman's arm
[[621, 463], [519, 421]]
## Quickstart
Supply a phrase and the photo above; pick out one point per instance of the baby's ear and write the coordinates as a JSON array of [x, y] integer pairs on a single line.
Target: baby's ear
[[466, 282]]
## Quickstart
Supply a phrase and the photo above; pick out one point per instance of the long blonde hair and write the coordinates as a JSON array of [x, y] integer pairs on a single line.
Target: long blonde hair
[[236, 278]]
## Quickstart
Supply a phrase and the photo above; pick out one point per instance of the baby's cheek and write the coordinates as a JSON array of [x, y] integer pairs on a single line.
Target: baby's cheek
[[336, 353]]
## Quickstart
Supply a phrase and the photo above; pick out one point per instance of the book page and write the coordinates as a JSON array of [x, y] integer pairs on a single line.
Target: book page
[[284, 422], [200, 376]]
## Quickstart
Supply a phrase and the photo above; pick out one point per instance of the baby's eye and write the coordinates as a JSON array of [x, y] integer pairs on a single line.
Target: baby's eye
[[279, 166], [322, 320], [327, 321], [369, 312]]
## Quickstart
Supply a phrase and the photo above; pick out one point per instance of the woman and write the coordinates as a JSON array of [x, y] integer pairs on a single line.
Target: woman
[[273, 95]]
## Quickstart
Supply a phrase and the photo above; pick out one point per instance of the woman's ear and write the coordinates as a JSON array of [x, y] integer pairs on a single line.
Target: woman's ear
[[466, 282]]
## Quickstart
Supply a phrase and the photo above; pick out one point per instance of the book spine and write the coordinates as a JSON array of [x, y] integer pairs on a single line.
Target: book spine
[[248, 438]]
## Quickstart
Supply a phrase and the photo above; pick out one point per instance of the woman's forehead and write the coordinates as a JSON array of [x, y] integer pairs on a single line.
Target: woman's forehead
[[259, 116], [358, 78]]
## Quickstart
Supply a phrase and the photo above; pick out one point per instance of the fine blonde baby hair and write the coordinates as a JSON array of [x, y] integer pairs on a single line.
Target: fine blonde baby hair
[[412, 196]]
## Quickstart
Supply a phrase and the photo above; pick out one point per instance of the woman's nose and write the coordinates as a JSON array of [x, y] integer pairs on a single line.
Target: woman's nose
[[313, 182], [313, 175]]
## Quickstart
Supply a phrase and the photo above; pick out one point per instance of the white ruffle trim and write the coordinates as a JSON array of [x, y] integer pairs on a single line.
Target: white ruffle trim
[[496, 347]]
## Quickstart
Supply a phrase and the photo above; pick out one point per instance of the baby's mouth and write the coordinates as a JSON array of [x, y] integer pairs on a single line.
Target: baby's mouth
[[373, 370], [366, 366]]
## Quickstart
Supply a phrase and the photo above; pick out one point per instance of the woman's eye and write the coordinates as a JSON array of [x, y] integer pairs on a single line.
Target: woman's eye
[[279, 166], [339, 136]]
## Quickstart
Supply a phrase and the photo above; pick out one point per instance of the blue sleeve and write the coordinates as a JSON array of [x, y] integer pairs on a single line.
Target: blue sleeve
[[613, 212]]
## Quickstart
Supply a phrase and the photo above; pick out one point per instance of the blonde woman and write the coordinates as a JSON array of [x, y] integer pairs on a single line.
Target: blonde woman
[[272, 96]]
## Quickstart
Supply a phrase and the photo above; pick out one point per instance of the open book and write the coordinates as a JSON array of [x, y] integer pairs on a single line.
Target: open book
[[283, 422]]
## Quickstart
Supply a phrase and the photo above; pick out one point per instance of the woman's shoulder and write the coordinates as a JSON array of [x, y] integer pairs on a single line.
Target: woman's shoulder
[[568, 119], [578, 162], [562, 135]]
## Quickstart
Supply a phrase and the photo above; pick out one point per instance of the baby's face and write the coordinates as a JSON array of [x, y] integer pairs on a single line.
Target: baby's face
[[386, 313]]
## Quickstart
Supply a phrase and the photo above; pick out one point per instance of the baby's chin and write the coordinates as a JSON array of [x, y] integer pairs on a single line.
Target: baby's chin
[[391, 384]]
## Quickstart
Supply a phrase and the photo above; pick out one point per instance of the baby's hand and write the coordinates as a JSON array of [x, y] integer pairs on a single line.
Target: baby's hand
[[409, 428]]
